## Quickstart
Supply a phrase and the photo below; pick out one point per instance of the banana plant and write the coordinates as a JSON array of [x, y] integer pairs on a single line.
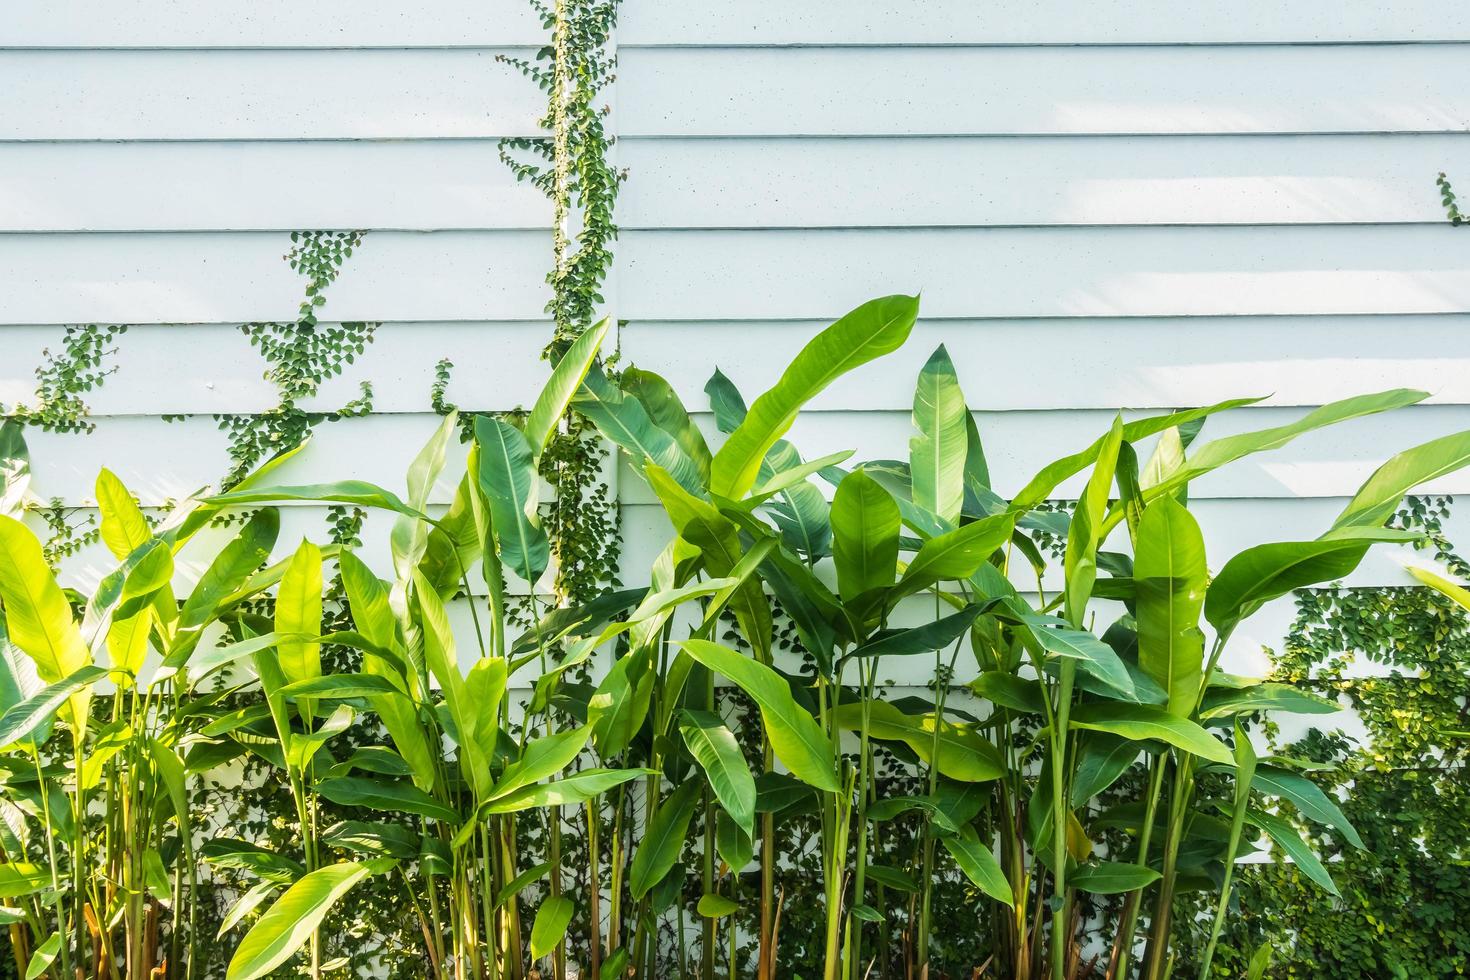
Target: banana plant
[[113, 891], [113, 705], [460, 866], [1146, 687], [716, 503]]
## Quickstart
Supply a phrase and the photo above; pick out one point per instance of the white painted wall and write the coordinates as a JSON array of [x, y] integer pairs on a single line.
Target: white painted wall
[[1136, 205]]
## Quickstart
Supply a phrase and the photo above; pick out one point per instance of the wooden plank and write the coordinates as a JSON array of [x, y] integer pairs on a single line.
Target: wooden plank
[[318, 23], [903, 182], [240, 277], [264, 186], [1047, 272], [762, 22], [261, 94], [736, 183], [1087, 362], [1146, 363], [267, 23], [178, 369], [965, 273], [869, 91]]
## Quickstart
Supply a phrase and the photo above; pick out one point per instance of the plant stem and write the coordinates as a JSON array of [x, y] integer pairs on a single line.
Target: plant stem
[[1059, 813], [594, 889], [1123, 948]]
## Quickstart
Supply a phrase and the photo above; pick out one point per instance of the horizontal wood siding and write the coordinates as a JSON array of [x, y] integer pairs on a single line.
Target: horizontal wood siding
[[1120, 205]]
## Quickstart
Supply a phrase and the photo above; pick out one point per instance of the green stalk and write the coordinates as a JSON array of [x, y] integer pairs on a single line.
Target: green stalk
[[1059, 821], [707, 960], [1236, 824], [1156, 953], [61, 926], [941, 690], [79, 815], [615, 902], [594, 889], [1157, 961], [865, 760], [1123, 950], [836, 823]]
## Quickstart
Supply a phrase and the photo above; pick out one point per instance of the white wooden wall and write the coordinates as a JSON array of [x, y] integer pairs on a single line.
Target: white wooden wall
[[1119, 204]]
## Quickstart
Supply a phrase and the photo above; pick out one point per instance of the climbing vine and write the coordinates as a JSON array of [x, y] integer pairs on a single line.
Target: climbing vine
[[300, 355], [573, 167], [1447, 198], [65, 376], [1399, 658]]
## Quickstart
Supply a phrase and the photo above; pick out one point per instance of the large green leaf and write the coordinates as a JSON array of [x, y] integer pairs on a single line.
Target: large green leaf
[[725, 401], [920, 639], [715, 749], [15, 468], [870, 331], [215, 657], [663, 406], [795, 736], [550, 925], [957, 554], [937, 454], [1085, 532], [443, 661], [1101, 760], [25, 717], [226, 852], [249, 902], [1308, 798], [702, 525], [620, 704], [289, 923], [299, 613], [1111, 878], [21, 878], [979, 864], [1379, 496], [1047, 480], [1145, 722], [1212, 455], [962, 753], [245, 553], [340, 686], [388, 797], [623, 419], [410, 537], [805, 519], [542, 758], [1265, 572], [373, 615], [1097, 658], [578, 787], [1284, 836], [44, 956], [865, 527], [124, 528], [356, 492], [566, 378], [1169, 576], [1271, 696], [663, 839], [509, 483], [38, 618]]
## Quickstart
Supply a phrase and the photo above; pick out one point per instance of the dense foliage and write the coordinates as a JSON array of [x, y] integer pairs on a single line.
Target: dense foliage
[[629, 813], [1400, 658]]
